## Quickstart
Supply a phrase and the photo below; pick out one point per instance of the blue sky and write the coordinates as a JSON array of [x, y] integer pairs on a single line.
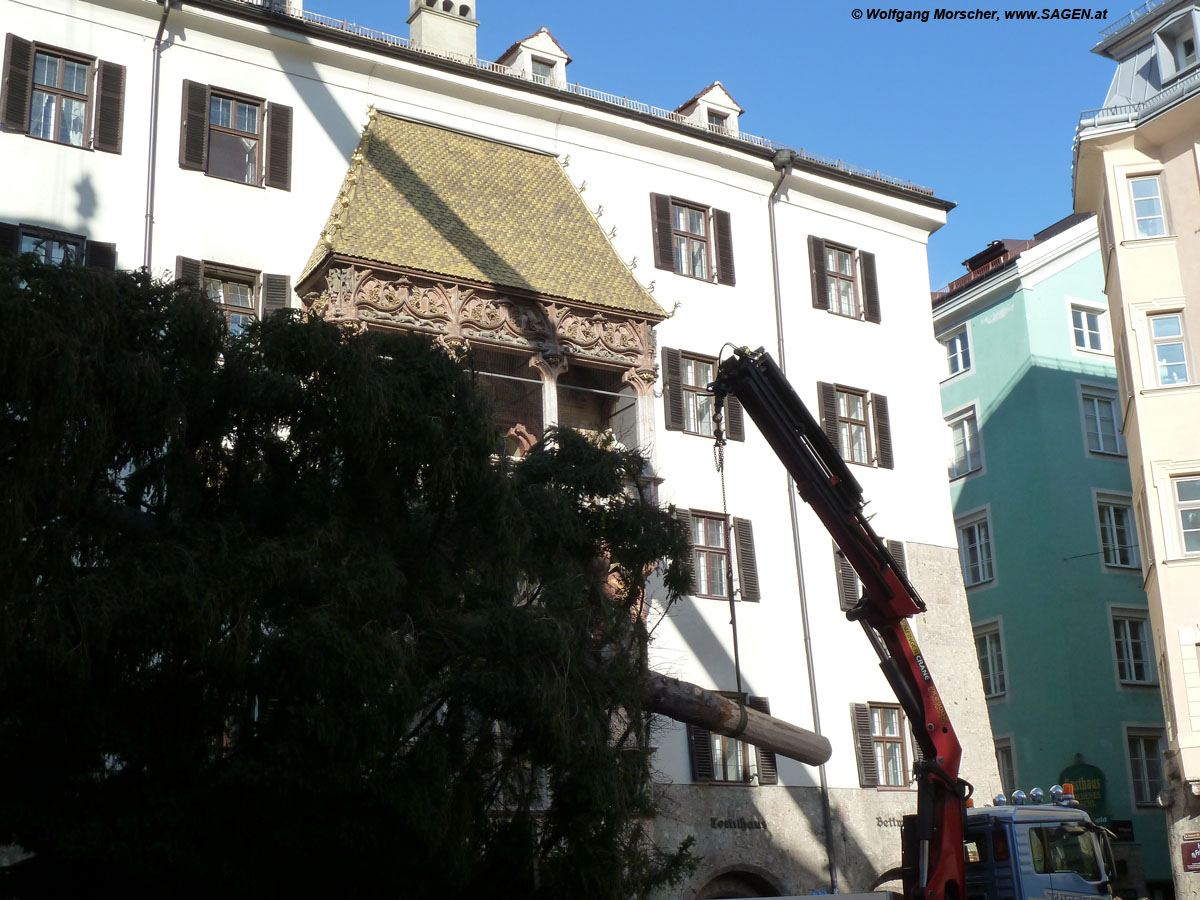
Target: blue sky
[[983, 112]]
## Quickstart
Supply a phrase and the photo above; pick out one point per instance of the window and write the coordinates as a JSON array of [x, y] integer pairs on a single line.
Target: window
[[966, 449], [990, 652], [1118, 537], [849, 587], [710, 555], [958, 352], [1131, 641], [687, 401], [49, 247], [881, 743], [234, 138], [543, 70], [716, 757], [844, 280], [850, 419], [717, 121], [1065, 850], [1004, 762], [224, 134], [1148, 218], [1145, 765], [975, 549], [1166, 334], [235, 290], [1100, 421], [1187, 504], [697, 401], [56, 247], [61, 96], [1085, 327], [852, 426], [692, 239]]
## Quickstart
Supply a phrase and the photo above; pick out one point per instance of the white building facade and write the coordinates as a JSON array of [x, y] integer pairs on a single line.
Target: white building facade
[[210, 141]]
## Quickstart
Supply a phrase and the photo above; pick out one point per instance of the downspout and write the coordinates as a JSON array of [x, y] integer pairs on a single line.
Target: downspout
[[148, 239], [783, 162]]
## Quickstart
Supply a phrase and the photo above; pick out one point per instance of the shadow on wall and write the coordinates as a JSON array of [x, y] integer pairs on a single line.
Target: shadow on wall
[[793, 813]]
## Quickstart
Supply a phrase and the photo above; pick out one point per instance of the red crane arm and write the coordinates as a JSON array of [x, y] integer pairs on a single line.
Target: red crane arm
[[932, 839]]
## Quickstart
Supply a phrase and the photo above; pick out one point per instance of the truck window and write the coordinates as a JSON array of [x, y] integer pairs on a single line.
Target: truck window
[[1065, 849]]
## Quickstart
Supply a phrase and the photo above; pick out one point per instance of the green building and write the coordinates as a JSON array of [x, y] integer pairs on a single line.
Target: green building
[[1047, 537]]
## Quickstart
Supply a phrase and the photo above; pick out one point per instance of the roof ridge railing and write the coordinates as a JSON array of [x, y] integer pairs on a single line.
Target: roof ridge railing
[[1131, 112], [1133, 16], [392, 40]]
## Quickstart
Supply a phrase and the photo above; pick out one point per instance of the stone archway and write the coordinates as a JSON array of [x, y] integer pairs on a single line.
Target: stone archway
[[737, 883]]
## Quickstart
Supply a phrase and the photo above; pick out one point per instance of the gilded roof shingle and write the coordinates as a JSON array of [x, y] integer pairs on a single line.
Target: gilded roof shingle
[[454, 205]]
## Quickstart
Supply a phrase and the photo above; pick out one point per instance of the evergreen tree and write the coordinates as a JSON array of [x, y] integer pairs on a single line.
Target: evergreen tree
[[274, 615]]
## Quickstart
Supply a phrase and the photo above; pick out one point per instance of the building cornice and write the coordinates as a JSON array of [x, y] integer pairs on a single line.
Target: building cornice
[[350, 35]]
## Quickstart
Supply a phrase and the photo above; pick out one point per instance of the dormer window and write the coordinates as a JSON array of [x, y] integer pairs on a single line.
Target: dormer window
[[543, 70], [717, 121], [1175, 43]]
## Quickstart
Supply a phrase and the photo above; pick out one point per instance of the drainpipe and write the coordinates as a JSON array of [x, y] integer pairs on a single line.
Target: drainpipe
[[148, 239], [783, 162]]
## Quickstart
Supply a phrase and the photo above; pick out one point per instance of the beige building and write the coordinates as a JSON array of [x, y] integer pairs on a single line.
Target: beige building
[[1136, 165]]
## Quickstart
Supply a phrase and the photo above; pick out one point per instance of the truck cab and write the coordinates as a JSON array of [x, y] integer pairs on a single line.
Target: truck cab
[[1046, 852]]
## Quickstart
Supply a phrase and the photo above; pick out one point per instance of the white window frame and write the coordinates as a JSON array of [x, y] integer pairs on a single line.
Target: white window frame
[[954, 419], [1005, 743], [1091, 396], [1178, 507], [1182, 340], [996, 653], [1112, 500], [1125, 614], [1103, 331], [1149, 795], [1134, 219], [961, 337], [972, 521]]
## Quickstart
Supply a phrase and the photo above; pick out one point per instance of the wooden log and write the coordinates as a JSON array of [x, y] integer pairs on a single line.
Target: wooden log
[[694, 705]]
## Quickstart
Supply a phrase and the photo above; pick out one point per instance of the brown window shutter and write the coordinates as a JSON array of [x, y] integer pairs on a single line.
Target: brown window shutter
[[816, 259], [110, 105], [10, 239], [672, 364], [883, 431], [700, 750], [685, 519], [18, 81], [896, 549], [193, 127], [847, 580], [189, 270], [99, 255], [868, 771], [743, 537], [664, 239], [279, 146], [724, 236], [276, 289], [827, 396], [768, 771], [870, 284], [735, 420]]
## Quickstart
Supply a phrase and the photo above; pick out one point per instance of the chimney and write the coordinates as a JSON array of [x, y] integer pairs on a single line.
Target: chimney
[[443, 26]]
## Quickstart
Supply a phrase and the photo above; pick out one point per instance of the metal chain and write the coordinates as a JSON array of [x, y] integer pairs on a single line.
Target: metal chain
[[719, 461]]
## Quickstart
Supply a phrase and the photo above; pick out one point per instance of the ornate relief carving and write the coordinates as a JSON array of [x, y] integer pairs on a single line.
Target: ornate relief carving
[[457, 314]]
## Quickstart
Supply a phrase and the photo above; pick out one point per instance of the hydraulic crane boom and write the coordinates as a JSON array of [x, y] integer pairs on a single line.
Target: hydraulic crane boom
[[932, 840]]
